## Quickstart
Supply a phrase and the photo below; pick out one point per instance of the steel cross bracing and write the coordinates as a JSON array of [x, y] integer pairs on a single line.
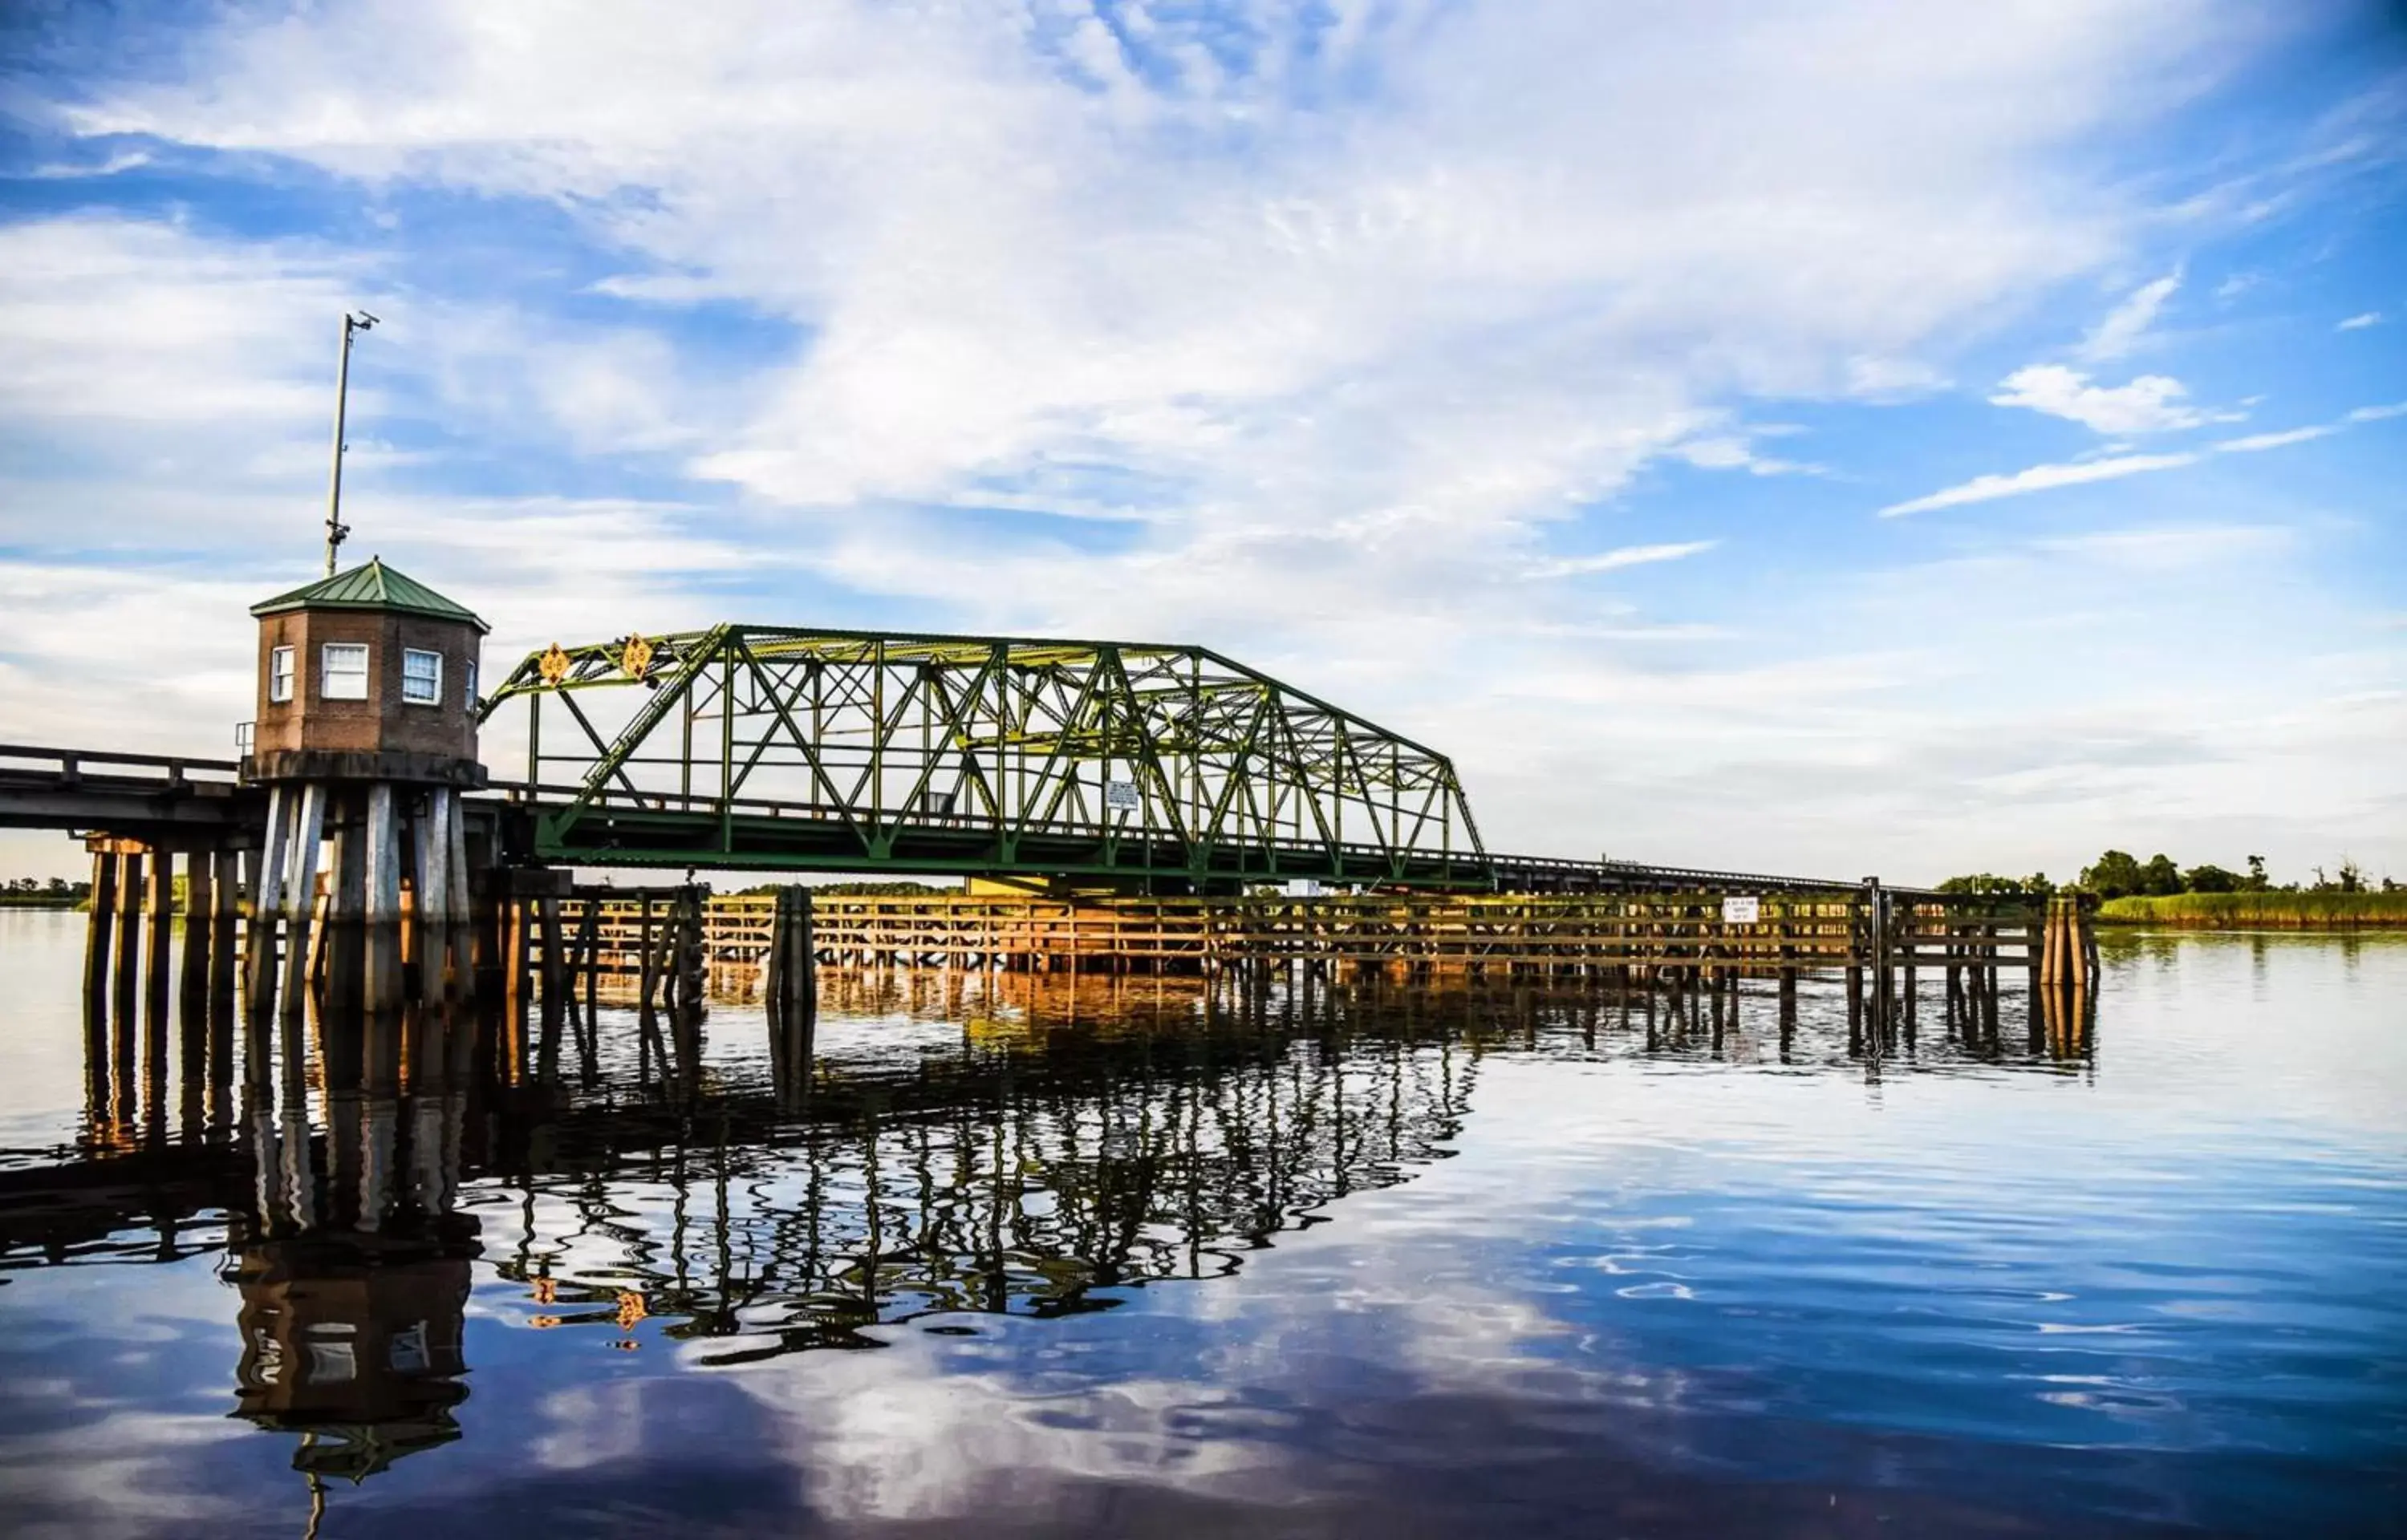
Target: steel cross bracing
[[758, 745]]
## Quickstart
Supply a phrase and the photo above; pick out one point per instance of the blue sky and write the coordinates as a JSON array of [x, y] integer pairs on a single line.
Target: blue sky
[[1839, 437]]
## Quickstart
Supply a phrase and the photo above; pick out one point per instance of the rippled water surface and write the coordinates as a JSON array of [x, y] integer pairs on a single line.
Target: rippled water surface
[[1031, 1257]]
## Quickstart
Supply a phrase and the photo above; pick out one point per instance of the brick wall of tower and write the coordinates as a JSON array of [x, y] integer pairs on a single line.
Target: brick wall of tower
[[384, 722]]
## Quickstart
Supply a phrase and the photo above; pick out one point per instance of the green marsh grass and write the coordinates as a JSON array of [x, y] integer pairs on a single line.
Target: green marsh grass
[[2260, 910]]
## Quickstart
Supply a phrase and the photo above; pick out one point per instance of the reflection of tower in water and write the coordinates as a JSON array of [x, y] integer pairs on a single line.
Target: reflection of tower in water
[[353, 1340], [353, 1269]]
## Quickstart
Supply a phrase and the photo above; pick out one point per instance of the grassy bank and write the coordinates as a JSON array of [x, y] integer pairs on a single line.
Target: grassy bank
[[2261, 911], [36, 900]]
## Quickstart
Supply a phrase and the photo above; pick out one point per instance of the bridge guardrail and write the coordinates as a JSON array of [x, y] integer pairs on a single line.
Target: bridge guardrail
[[71, 764]]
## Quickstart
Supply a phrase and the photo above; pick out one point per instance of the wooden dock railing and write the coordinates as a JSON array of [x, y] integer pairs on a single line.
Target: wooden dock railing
[[1556, 934]]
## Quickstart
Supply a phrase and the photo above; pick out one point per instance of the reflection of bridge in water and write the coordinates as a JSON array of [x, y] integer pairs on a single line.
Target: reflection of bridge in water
[[963, 1142]]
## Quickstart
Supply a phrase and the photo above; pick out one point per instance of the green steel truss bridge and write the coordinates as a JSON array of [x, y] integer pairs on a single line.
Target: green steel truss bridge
[[851, 751], [1132, 765]]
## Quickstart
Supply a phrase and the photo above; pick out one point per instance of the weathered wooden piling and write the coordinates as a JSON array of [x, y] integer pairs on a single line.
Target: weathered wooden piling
[[200, 883], [379, 887], [99, 930], [1858, 944], [2079, 946], [555, 984], [129, 935], [1882, 946], [266, 903], [588, 952], [97, 922], [299, 887], [158, 917], [225, 902], [791, 992], [689, 960]]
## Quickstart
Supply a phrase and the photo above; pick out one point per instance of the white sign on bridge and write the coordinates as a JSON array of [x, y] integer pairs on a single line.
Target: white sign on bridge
[[1121, 794], [1742, 911]]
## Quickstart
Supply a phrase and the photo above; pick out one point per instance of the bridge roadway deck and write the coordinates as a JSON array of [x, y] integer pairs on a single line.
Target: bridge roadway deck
[[162, 798], [175, 802]]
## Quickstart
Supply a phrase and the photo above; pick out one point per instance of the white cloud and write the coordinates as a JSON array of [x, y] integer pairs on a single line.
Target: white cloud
[[1888, 379], [2359, 323], [1013, 258], [1627, 555], [2173, 548], [125, 160], [2038, 478], [2148, 404], [140, 322], [2128, 321], [1732, 452], [2253, 442]]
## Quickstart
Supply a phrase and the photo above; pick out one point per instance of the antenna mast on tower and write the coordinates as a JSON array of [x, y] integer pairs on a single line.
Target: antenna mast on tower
[[335, 527]]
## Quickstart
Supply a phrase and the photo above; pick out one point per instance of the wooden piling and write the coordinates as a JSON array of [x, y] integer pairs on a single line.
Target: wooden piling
[[588, 948], [200, 907], [458, 910], [1989, 979], [129, 936], [346, 884], [803, 964], [789, 978], [301, 894], [381, 899], [431, 886], [555, 986], [159, 910], [517, 966], [2078, 944], [1910, 941], [267, 900], [2052, 942], [97, 927], [1857, 947], [647, 976], [225, 903]]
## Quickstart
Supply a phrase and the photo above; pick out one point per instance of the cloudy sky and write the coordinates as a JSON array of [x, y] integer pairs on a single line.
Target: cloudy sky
[[1864, 435]]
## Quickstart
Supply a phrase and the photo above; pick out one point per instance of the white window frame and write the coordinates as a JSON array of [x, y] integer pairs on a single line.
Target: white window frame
[[469, 690], [280, 667], [434, 696], [327, 673]]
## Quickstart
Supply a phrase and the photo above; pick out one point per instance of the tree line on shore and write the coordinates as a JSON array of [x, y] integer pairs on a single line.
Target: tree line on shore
[[34, 890], [2119, 874]]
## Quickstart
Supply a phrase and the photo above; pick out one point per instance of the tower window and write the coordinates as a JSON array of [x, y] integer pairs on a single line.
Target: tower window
[[468, 692], [343, 672], [280, 673], [422, 677]]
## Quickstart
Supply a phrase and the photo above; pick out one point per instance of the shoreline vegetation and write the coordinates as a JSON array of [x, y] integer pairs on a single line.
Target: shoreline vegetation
[[2274, 910], [2159, 892]]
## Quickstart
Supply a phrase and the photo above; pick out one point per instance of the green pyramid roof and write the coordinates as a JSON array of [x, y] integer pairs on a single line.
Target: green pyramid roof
[[373, 587]]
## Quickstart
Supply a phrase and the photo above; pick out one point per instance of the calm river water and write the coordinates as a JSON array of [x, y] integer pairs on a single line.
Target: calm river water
[[1043, 1259]]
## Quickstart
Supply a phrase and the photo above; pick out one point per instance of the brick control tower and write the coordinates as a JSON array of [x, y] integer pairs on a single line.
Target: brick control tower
[[365, 737], [367, 675]]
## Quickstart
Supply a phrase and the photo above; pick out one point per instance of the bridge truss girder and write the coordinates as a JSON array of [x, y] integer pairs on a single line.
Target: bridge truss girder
[[775, 747]]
